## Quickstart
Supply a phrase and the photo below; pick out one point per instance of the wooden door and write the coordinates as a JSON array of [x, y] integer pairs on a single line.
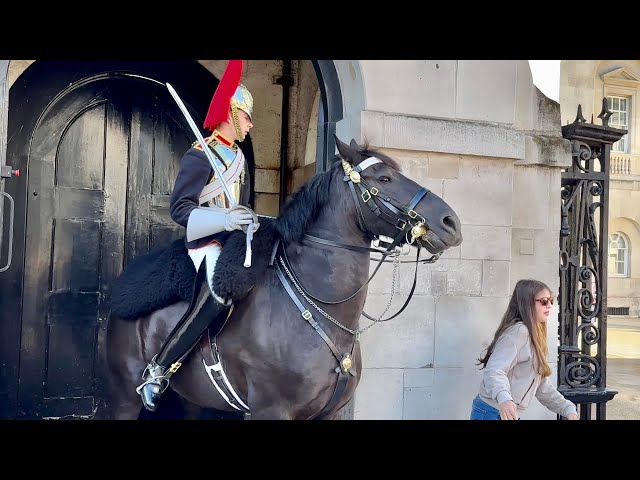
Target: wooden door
[[101, 170]]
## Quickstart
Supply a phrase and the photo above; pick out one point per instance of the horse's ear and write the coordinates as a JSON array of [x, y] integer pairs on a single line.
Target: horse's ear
[[354, 144], [346, 152]]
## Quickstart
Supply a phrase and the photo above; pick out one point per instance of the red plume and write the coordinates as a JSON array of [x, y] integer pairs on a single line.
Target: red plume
[[221, 101]]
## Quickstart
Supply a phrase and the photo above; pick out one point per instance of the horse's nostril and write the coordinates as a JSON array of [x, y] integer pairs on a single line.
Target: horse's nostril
[[450, 222], [451, 225]]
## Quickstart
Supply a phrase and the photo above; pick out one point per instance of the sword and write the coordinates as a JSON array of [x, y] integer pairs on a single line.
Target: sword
[[205, 147]]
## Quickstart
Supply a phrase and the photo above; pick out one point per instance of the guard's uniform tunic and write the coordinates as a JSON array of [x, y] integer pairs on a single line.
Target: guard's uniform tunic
[[196, 173]]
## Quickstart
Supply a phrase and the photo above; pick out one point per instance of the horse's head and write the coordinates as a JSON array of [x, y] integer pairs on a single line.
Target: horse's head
[[390, 204]]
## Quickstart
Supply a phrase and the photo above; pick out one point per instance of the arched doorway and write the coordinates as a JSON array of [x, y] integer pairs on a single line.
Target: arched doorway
[[98, 145]]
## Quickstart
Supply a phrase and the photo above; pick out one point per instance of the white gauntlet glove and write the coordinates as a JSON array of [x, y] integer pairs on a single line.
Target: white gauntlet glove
[[205, 221], [237, 218]]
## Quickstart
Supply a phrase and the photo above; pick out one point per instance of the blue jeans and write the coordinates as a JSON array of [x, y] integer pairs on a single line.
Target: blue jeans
[[481, 410]]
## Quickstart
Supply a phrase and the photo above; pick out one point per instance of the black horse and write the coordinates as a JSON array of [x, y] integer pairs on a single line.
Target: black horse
[[289, 348]]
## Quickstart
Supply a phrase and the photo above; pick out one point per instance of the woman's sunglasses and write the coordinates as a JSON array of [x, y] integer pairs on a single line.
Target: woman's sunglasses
[[545, 301]]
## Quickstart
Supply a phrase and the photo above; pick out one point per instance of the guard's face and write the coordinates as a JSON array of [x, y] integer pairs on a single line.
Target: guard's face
[[245, 122]]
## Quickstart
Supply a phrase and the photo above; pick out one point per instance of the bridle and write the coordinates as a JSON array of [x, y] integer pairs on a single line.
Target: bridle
[[402, 217], [411, 225]]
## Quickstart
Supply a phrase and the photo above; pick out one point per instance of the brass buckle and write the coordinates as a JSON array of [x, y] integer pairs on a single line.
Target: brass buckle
[[412, 213], [374, 191], [306, 315], [174, 367], [346, 363], [366, 196]]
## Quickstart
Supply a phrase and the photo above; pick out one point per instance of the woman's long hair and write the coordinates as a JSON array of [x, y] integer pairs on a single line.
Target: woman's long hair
[[520, 309]]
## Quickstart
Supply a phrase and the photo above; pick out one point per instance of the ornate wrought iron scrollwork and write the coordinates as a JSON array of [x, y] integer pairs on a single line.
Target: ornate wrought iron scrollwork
[[583, 156], [583, 371], [590, 333], [583, 261], [581, 264]]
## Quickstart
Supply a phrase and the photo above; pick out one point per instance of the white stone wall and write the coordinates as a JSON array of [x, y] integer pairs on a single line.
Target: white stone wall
[[480, 135]]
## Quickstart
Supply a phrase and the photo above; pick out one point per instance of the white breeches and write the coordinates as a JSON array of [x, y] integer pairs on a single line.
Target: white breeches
[[210, 253]]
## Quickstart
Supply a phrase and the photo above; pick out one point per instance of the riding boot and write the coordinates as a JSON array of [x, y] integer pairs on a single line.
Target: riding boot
[[203, 309]]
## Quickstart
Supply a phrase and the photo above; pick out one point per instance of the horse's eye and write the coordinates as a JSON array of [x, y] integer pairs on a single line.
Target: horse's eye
[[384, 179]]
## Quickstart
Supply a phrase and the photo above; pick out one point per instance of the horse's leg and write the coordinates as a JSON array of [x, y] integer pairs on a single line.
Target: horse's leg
[[125, 362], [124, 401], [125, 407], [272, 412]]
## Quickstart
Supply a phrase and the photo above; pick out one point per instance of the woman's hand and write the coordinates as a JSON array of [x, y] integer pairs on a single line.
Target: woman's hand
[[508, 410]]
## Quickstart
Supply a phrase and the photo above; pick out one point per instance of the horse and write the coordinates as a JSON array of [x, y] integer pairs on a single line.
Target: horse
[[289, 348]]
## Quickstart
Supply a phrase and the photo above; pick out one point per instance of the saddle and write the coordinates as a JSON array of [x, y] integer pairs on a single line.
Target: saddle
[[165, 276]]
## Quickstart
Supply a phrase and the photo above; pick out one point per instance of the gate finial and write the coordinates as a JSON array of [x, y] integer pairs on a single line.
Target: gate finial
[[579, 117], [605, 114]]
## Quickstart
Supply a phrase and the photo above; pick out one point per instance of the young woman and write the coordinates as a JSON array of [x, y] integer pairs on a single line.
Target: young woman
[[515, 363]]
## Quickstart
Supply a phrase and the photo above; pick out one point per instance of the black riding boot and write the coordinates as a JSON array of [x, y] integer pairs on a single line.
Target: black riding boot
[[203, 309]]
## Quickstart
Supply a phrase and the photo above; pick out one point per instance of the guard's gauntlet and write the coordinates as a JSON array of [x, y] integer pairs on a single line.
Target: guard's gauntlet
[[205, 221]]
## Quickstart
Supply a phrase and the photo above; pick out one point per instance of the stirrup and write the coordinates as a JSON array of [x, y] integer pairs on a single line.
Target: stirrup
[[156, 381]]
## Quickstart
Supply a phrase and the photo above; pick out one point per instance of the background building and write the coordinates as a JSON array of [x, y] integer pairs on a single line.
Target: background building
[[587, 82]]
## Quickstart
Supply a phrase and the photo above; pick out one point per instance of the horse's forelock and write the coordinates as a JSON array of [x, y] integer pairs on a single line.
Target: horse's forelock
[[366, 151], [388, 161]]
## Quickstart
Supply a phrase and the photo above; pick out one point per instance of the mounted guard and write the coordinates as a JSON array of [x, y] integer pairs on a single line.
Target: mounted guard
[[210, 199]]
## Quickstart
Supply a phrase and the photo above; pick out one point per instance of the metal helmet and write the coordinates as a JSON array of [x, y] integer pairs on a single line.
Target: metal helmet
[[230, 93]]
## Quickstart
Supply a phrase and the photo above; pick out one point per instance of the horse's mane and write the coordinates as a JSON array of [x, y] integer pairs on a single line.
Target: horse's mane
[[303, 207]]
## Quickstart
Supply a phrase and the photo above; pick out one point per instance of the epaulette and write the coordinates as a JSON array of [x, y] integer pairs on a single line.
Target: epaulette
[[197, 145]]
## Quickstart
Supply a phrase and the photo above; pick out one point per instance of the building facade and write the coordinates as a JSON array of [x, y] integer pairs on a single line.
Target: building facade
[[586, 83]]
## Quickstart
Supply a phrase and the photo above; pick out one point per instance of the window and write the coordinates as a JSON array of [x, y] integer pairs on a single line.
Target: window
[[618, 255], [621, 87], [619, 106]]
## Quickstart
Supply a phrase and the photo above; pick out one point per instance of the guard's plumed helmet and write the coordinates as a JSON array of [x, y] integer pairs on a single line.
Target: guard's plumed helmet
[[230, 93]]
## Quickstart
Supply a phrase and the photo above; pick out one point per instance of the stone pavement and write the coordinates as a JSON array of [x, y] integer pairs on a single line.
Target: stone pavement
[[623, 367]]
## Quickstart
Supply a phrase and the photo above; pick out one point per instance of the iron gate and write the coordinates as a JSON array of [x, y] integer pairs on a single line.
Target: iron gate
[[583, 265]]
